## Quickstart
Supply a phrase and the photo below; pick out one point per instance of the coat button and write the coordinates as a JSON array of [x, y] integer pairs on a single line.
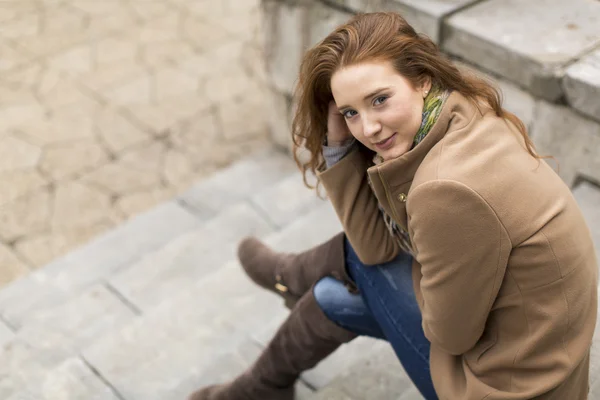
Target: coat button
[[402, 197]]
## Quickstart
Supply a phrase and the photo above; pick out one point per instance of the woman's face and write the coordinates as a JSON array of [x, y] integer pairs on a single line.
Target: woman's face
[[381, 107]]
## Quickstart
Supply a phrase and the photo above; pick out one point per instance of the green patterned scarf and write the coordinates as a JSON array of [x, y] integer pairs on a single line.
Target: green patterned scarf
[[434, 102]]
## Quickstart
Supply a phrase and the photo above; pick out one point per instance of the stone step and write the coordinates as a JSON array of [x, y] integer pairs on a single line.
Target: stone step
[[47, 349], [98, 260], [173, 268], [55, 337], [176, 342], [58, 310], [595, 363], [376, 376], [199, 329], [187, 259], [6, 333], [64, 278], [54, 313], [588, 198], [71, 379], [518, 48], [242, 180]]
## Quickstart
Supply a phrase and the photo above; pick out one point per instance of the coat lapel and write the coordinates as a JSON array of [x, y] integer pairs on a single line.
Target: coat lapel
[[391, 180]]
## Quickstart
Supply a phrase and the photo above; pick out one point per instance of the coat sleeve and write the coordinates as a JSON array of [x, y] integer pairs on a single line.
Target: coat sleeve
[[358, 209], [463, 250]]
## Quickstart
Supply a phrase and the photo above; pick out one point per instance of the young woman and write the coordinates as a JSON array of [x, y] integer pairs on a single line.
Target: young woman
[[461, 246]]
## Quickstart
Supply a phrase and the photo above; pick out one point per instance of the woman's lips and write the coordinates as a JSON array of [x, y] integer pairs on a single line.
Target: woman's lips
[[387, 143]]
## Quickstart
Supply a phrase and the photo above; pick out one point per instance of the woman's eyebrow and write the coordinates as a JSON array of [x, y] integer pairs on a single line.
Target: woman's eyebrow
[[371, 94]]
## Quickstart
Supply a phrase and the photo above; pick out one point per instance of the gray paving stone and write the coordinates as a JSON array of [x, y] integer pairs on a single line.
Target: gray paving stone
[[518, 101], [588, 197], [331, 394], [343, 360], [240, 181], [6, 334], [226, 368], [322, 20], [53, 335], [411, 394], [221, 369], [24, 365], [27, 296], [71, 380], [557, 125], [17, 296], [313, 228], [129, 241], [77, 322], [150, 359], [358, 5], [176, 266], [162, 350], [426, 16], [280, 118], [582, 85], [66, 277], [284, 32], [528, 51], [249, 307], [337, 363], [594, 391], [595, 357], [303, 392], [288, 200], [378, 376]]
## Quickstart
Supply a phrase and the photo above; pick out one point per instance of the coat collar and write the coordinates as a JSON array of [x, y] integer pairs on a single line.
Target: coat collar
[[391, 180]]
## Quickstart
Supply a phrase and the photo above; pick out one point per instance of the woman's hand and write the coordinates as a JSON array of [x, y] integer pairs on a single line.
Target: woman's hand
[[337, 129]]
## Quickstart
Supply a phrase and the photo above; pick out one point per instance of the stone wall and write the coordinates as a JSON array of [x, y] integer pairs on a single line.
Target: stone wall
[[543, 54]]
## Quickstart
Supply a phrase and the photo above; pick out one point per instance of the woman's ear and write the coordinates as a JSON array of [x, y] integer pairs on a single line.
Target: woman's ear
[[426, 87]]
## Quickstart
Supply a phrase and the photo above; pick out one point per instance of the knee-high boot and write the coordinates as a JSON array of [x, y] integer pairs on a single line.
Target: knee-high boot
[[306, 337]]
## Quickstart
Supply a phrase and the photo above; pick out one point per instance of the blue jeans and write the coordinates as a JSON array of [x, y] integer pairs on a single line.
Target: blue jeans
[[385, 308]]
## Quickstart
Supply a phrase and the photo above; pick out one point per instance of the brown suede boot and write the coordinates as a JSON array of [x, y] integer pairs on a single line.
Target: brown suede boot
[[305, 338], [291, 275]]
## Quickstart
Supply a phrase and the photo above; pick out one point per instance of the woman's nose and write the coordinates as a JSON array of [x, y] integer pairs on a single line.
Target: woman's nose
[[370, 127]]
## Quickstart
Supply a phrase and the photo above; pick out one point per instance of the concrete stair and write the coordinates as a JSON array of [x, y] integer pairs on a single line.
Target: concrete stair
[[160, 306]]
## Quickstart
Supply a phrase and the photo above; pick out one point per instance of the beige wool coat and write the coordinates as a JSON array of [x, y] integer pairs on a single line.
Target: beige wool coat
[[504, 269]]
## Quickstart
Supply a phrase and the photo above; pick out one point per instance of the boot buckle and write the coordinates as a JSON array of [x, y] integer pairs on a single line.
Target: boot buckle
[[279, 286]]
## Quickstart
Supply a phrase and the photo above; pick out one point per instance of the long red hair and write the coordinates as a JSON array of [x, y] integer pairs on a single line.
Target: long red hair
[[384, 36]]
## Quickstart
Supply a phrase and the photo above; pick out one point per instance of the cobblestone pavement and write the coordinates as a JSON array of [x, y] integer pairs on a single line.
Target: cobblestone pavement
[[110, 107]]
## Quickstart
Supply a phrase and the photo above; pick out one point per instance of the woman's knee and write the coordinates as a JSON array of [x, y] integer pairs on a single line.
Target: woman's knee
[[334, 298], [329, 292]]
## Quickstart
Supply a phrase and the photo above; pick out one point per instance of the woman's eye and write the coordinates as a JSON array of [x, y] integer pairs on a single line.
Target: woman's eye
[[379, 100], [349, 114]]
